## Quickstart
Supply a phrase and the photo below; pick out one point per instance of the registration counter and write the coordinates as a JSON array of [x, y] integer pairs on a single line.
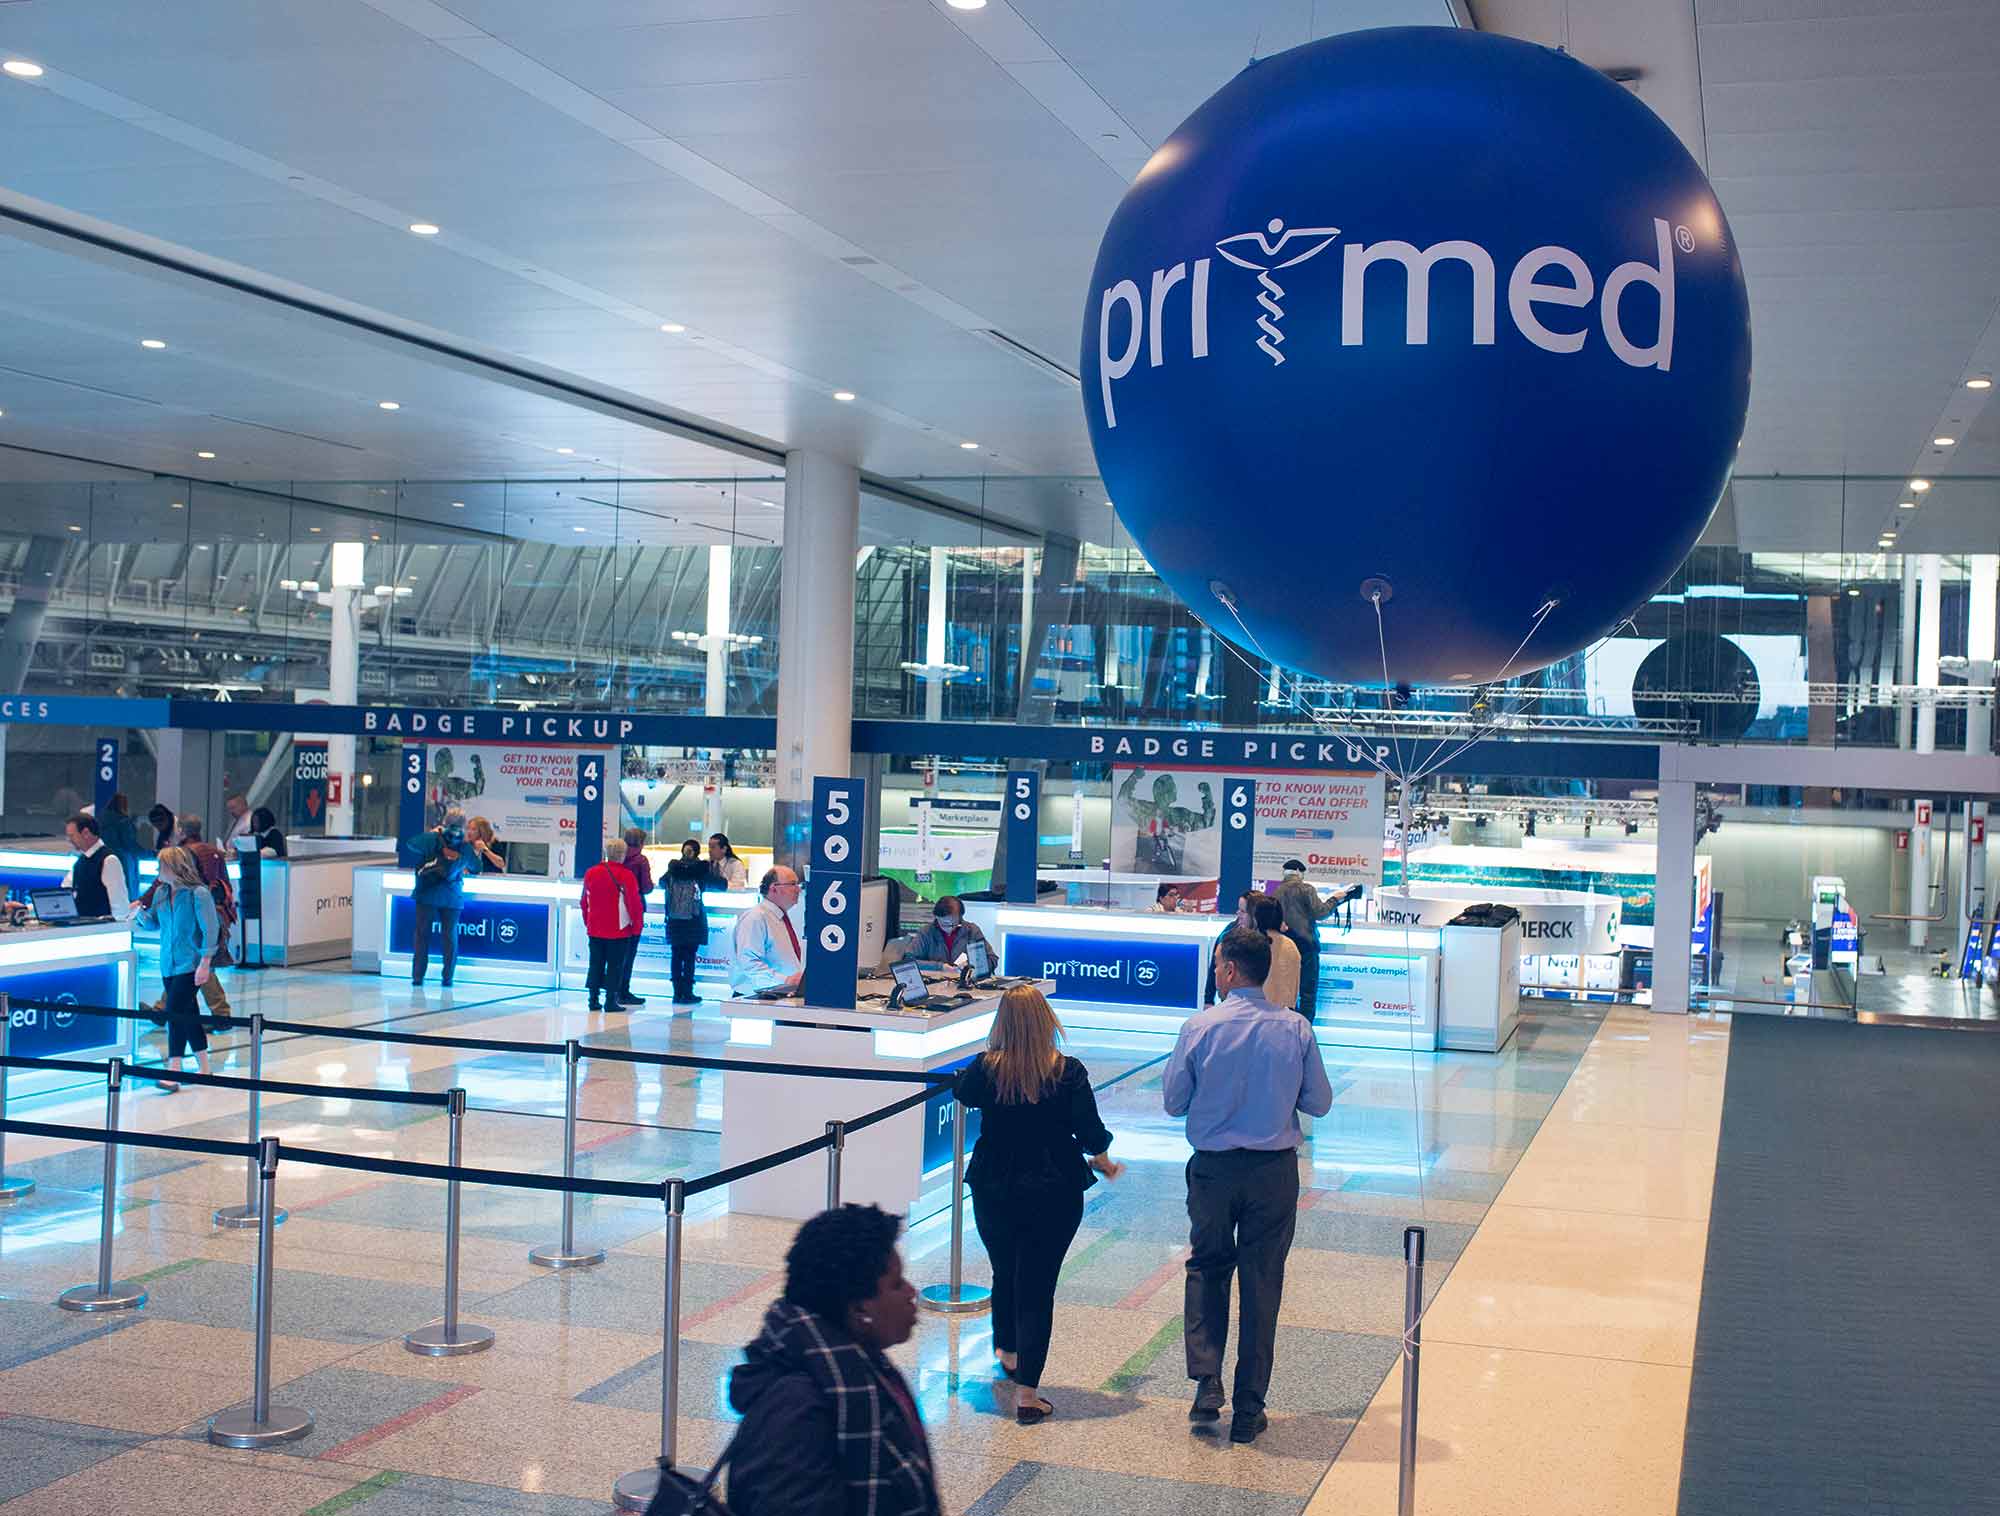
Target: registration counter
[[1145, 971], [79, 965], [520, 929], [884, 1165]]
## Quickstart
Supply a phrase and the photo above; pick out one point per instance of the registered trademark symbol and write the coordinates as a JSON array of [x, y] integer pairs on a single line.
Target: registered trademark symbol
[[1684, 239]]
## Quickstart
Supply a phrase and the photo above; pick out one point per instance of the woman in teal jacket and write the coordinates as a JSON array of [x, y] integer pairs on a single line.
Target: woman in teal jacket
[[183, 911]]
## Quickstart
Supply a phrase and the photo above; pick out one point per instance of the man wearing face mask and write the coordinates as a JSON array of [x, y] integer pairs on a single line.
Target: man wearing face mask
[[948, 934]]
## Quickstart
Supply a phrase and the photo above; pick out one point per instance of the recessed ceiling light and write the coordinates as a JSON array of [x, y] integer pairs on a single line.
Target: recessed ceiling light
[[843, 396], [458, 505], [21, 68], [153, 342], [966, 5], [389, 405], [672, 328], [423, 228], [566, 451], [579, 528], [312, 528], [1920, 485], [204, 455], [1906, 505], [1944, 442], [74, 527], [1979, 384], [970, 447], [1854, 592], [176, 505]]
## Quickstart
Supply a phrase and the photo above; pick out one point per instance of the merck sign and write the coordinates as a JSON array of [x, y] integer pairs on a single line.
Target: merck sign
[[1545, 281]]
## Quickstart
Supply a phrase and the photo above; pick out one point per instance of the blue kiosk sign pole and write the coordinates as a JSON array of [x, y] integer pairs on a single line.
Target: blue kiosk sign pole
[[833, 892]]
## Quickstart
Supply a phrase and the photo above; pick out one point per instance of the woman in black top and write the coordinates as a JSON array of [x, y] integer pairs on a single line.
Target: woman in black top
[[264, 826], [1041, 1145], [687, 916]]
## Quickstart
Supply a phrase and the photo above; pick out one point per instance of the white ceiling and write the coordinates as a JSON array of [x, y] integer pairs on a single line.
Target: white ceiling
[[852, 194]]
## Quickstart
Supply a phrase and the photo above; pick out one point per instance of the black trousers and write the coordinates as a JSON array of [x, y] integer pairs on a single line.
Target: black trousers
[[1308, 1005], [184, 1030], [1243, 1207], [604, 955], [1026, 1237], [685, 956], [628, 954], [420, 954]]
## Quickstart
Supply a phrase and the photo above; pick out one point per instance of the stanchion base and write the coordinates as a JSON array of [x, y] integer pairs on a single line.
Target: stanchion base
[[240, 1428], [238, 1218], [972, 1299], [84, 1297], [635, 1491], [553, 1257], [15, 1187], [430, 1341]]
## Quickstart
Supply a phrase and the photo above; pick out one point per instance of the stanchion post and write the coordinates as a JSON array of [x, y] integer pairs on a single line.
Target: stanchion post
[[261, 1424], [237, 1217], [957, 1298], [450, 1337], [105, 1295], [564, 1255], [1413, 1332], [837, 1132], [635, 1491], [13, 1187]]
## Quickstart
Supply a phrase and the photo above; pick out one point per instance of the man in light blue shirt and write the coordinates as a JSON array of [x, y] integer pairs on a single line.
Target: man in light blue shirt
[[766, 951], [1240, 1073]]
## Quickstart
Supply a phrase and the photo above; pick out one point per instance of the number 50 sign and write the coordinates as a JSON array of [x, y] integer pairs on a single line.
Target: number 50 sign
[[833, 892]]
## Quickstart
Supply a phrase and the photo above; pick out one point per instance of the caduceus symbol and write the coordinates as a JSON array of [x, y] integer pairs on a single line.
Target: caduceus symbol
[[1269, 243]]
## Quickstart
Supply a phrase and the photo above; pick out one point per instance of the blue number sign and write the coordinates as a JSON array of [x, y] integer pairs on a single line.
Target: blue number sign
[[833, 892], [107, 774], [1239, 837], [1023, 824], [589, 811], [410, 814]]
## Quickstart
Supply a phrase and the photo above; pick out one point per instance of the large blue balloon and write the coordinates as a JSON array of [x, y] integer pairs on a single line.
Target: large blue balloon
[[1423, 314]]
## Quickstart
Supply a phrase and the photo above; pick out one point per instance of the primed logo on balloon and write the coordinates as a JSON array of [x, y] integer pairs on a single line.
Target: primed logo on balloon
[[1416, 347]]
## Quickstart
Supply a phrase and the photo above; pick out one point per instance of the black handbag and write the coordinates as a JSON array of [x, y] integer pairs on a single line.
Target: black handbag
[[679, 1495]]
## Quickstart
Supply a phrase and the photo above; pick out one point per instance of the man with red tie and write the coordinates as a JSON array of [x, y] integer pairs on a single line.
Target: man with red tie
[[768, 952]]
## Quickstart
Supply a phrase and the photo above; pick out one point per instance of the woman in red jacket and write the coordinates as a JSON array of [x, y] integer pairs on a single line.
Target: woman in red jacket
[[611, 914]]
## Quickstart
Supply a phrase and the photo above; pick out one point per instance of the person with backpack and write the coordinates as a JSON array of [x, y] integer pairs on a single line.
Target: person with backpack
[[213, 869], [181, 908]]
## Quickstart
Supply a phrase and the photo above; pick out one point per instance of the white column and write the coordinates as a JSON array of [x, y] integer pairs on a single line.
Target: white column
[[815, 638], [1982, 584], [935, 640], [1673, 897], [343, 675], [715, 686], [1906, 649], [1930, 606], [1028, 652]]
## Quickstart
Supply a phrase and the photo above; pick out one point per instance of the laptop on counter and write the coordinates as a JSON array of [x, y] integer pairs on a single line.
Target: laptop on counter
[[57, 907]]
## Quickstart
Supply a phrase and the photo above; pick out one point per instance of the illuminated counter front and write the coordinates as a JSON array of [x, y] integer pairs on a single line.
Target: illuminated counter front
[[526, 930], [83, 965], [886, 1165], [1146, 971]]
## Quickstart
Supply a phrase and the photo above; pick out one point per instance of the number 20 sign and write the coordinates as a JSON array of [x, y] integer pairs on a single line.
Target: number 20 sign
[[833, 892]]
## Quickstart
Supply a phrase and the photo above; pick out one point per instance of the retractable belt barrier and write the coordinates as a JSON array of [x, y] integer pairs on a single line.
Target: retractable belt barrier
[[259, 1423]]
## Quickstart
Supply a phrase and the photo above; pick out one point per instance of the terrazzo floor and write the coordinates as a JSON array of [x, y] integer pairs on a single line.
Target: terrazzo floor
[[100, 1414]]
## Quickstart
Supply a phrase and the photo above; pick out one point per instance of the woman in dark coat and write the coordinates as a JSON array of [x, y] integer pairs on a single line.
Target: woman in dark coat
[[687, 917], [1041, 1145], [830, 1428]]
